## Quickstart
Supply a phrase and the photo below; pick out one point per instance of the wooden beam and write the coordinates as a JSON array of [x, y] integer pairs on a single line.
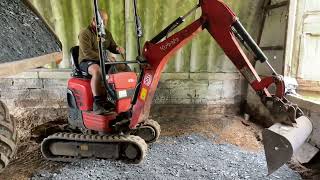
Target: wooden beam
[[309, 85], [12, 68]]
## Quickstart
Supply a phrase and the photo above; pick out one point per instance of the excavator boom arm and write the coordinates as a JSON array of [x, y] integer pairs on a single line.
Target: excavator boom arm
[[226, 29]]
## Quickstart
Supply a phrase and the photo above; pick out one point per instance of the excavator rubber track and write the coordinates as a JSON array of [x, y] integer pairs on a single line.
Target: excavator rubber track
[[67, 147]]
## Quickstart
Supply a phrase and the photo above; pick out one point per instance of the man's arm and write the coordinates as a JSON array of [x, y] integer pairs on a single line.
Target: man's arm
[[86, 46], [113, 47]]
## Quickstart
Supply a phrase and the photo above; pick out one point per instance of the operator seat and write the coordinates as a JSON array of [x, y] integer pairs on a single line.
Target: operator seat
[[76, 72]]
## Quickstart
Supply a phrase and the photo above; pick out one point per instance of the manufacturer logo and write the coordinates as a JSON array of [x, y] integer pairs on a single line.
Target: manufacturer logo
[[147, 79], [169, 44]]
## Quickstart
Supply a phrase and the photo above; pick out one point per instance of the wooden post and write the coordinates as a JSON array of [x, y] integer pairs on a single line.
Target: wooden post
[[290, 38]]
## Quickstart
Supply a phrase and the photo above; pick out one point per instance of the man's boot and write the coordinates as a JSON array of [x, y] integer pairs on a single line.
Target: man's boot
[[98, 106]]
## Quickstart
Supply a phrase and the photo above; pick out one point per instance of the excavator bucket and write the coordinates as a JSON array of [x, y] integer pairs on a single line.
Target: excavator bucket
[[281, 141]]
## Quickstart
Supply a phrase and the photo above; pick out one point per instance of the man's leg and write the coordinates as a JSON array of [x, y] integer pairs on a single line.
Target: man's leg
[[96, 86], [94, 71]]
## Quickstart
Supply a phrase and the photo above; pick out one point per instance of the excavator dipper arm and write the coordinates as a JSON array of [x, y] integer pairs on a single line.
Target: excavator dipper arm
[[226, 29]]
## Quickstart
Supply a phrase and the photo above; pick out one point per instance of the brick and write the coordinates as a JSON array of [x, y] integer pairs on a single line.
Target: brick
[[54, 74], [54, 83], [230, 89], [182, 93], [224, 76], [28, 75], [15, 94], [161, 100], [214, 76], [215, 90], [27, 84], [181, 101], [201, 101], [5, 84], [184, 84], [162, 93], [45, 94], [58, 93], [174, 76], [222, 102]]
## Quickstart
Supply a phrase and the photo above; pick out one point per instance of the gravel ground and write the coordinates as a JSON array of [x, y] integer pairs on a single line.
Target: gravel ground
[[22, 33], [186, 157]]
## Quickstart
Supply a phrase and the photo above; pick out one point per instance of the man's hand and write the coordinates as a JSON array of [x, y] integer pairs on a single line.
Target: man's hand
[[120, 50], [111, 57]]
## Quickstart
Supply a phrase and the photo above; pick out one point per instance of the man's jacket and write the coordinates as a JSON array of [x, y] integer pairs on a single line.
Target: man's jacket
[[89, 47]]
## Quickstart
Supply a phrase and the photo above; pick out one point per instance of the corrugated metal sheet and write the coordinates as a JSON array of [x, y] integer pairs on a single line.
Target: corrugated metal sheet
[[201, 55]]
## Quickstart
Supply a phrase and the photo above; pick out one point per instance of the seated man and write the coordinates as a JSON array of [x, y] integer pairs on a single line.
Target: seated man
[[89, 59]]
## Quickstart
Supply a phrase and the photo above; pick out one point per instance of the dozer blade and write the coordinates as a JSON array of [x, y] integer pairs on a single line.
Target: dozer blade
[[281, 141]]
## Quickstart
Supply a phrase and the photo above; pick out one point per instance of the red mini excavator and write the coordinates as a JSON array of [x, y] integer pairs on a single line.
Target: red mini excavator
[[123, 135]]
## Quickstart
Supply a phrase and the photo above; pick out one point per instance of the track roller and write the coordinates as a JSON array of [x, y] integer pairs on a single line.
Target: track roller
[[149, 131]]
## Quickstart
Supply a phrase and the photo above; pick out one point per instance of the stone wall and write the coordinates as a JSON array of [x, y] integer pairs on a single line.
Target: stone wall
[[34, 98], [39, 96]]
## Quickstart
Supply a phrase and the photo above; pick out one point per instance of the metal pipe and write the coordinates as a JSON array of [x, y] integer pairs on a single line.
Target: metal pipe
[[102, 54], [138, 27], [172, 26], [242, 32], [122, 62], [272, 69]]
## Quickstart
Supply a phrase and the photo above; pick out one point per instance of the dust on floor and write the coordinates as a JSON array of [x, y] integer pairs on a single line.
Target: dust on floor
[[228, 129]]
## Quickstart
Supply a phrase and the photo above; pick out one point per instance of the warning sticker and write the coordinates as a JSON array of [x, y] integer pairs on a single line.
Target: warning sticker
[[147, 79], [143, 94]]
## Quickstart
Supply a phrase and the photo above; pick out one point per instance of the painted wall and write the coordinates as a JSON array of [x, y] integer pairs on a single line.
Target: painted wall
[[67, 17]]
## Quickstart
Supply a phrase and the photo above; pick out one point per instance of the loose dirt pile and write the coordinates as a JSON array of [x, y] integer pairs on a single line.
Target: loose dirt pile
[[22, 33]]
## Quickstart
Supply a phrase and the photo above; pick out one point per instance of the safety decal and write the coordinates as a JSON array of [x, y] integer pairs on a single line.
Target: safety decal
[[143, 94], [147, 79]]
